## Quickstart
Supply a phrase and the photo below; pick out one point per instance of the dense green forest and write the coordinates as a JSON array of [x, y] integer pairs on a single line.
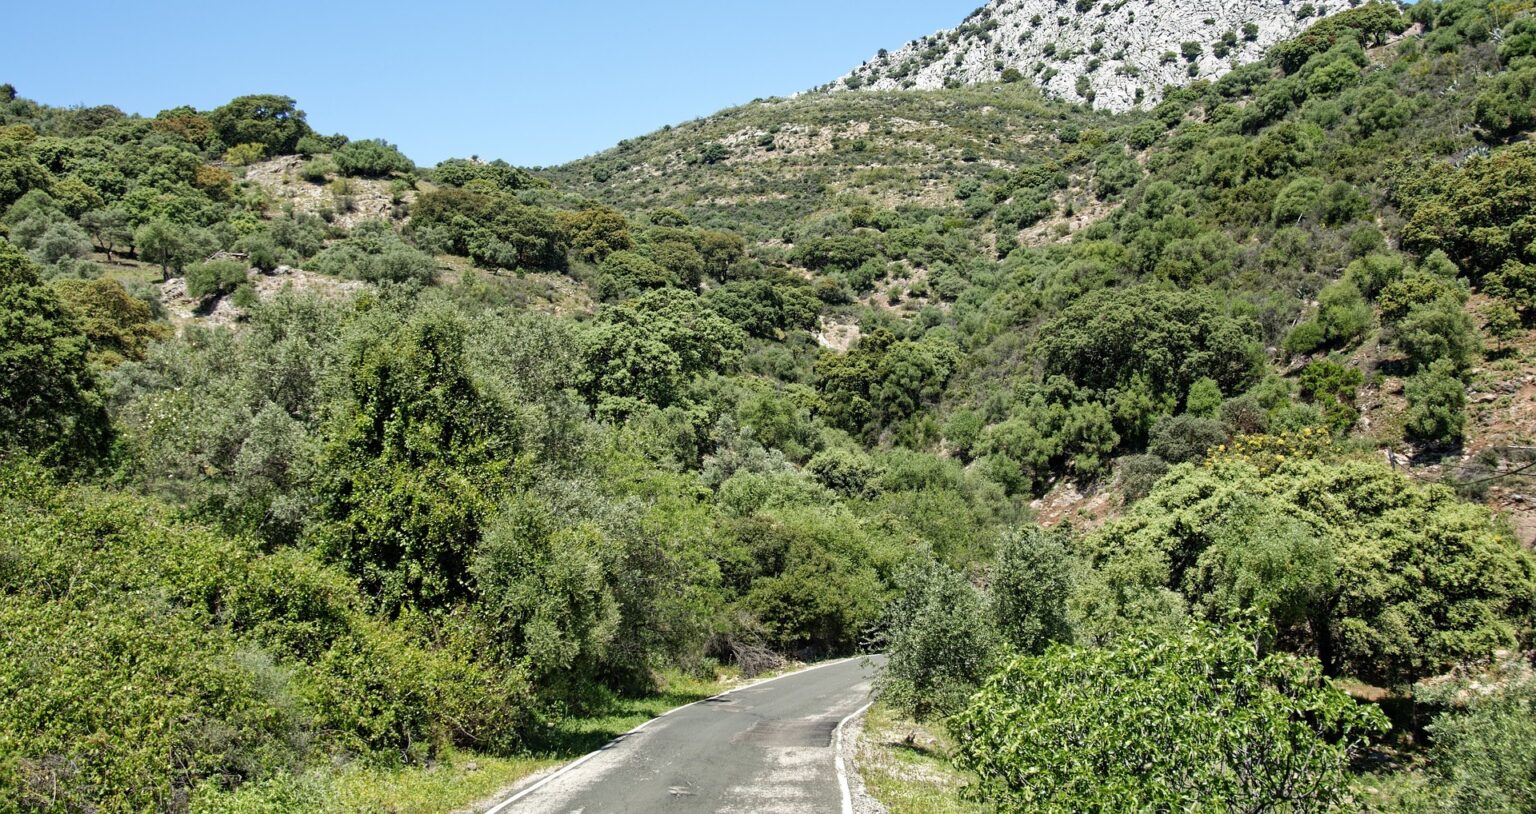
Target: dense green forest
[[1149, 429]]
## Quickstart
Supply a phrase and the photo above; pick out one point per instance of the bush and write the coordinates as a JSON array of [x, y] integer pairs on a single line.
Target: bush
[[1029, 588], [371, 158], [844, 471], [1194, 722], [1437, 403], [374, 252], [214, 278], [1484, 756], [1182, 438], [49, 402], [241, 155], [938, 640]]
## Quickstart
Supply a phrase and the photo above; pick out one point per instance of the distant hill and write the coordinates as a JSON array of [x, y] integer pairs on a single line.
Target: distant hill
[[1114, 55]]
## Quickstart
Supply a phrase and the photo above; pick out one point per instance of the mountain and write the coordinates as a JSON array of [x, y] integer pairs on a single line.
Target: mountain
[[391, 481], [1114, 55]]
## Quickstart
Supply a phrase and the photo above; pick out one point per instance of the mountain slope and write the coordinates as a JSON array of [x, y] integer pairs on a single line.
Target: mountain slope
[[1114, 55]]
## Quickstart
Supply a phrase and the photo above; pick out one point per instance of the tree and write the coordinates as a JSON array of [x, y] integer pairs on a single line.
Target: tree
[[542, 592], [1029, 590], [1502, 322], [1111, 339], [165, 243], [1199, 721], [49, 402], [645, 350], [1380, 577], [1437, 404], [416, 463], [1507, 105], [120, 327], [939, 641], [214, 278], [1439, 330], [109, 228], [1204, 398], [597, 232], [371, 158], [275, 122]]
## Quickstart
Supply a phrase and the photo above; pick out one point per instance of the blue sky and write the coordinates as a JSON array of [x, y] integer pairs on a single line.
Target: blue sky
[[532, 82]]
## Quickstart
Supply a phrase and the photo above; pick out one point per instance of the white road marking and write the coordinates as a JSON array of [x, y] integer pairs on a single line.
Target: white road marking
[[570, 767], [842, 771]]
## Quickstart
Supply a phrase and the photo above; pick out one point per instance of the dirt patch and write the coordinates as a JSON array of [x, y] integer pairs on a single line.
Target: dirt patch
[[361, 199], [838, 333], [1066, 502], [183, 310]]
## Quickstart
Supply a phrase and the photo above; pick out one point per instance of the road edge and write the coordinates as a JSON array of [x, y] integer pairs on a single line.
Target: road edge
[[842, 763], [518, 794]]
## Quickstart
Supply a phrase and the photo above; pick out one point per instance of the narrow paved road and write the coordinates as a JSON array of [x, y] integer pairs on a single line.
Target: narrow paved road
[[764, 749]]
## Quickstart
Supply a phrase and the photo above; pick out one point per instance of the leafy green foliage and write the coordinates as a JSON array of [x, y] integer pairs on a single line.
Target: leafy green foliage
[[1161, 341], [49, 402], [939, 641], [255, 661], [646, 350], [274, 122], [370, 158], [376, 253], [1029, 590], [1382, 578], [214, 278], [417, 464], [881, 381], [1483, 742], [1437, 403], [1195, 722]]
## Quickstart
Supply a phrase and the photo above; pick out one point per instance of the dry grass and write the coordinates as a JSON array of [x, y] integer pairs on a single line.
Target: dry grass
[[910, 776]]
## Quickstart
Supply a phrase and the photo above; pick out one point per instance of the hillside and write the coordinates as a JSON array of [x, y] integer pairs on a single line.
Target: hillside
[[1115, 54], [396, 483]]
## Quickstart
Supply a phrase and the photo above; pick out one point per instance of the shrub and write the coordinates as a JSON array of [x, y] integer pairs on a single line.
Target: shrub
[[1182, 438], [939, 641], [49, 402], [1437, 403], [1484, 756], [1029, 589], [371, 158], [214, 278], [1193, 722], [242, 154]]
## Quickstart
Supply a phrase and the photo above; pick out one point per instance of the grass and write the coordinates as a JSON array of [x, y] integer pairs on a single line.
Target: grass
[[460, 780], [911, 776]]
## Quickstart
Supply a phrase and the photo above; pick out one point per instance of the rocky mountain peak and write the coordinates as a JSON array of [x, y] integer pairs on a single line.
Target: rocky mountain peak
[[1113, 54]]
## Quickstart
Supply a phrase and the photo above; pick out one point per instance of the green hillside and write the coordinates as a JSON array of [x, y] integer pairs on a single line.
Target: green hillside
[[334, 483]]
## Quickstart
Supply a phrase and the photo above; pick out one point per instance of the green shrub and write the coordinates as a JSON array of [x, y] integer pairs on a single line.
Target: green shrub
[[1437, 403], [370, 158], [939, 641], [1194, 722], [1484, 755], [214, 278]]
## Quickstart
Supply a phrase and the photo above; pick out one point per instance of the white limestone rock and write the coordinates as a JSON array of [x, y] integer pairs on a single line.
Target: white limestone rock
[[1119, 45]]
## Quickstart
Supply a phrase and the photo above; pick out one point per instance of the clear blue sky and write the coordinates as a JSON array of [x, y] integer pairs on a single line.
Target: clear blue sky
[[534, 82]]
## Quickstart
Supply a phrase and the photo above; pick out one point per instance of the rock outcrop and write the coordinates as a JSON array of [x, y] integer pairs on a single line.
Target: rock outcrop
[[1113, 54]]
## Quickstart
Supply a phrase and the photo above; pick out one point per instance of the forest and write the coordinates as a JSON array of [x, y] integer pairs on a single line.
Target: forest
[[1199, 429]]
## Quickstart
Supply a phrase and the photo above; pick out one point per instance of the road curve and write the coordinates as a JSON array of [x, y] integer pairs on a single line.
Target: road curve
[[763, 749]]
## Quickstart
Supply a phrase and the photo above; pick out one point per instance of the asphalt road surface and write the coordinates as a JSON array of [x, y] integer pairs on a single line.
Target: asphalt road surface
[[761, 749]]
